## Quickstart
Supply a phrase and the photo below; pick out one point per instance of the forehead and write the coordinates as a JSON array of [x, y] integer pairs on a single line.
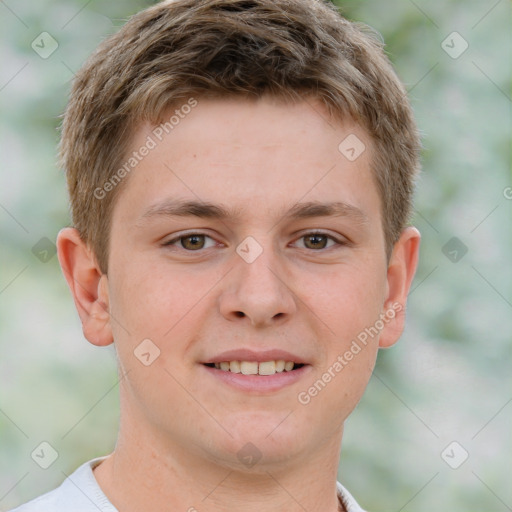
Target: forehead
[[257, 156]]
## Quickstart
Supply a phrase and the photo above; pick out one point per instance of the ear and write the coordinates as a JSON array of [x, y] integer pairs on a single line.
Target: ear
[[88, 285], [401, 270]]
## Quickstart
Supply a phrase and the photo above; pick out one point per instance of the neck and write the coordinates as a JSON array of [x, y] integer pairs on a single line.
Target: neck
[[145, 473]]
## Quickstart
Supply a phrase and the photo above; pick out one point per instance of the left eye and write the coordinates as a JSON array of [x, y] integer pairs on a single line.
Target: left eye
[[318, 241], [192, 242]]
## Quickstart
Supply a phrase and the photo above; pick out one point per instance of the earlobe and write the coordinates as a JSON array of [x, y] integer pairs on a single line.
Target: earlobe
[[401, 270], [88, 286]]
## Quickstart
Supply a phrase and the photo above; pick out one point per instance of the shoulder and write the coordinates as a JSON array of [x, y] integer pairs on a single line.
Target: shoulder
[[79, 493], [45, 502]]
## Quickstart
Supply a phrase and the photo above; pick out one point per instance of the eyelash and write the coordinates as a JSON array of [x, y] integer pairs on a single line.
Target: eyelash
[[312, 233]]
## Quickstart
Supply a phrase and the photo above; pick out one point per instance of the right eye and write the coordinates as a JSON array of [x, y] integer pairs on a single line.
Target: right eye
[[190, 242]]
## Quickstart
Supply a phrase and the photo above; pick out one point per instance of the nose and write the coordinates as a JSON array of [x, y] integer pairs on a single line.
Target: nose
[[258, 292]]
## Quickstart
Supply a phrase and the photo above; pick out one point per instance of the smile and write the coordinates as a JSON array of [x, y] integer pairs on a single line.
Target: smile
[[256, 368]]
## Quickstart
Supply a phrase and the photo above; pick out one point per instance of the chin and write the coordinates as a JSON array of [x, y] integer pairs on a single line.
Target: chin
[[260, 440]]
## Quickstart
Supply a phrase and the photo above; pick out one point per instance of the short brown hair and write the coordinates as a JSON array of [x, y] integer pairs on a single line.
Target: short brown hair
[[217, 48]]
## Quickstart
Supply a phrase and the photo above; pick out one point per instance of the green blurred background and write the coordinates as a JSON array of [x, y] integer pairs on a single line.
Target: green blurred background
[[447, 380]]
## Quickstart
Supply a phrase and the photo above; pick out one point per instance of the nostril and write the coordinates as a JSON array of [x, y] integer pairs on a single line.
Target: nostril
[[239, 314]]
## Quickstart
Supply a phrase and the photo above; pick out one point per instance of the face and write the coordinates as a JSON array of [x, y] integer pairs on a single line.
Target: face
[[280, 263]]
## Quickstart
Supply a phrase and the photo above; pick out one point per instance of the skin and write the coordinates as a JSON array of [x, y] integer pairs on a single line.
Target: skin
[[181, 428]]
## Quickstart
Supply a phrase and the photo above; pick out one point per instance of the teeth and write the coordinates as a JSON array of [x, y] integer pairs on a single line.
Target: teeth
[[255, 368], [267, 368], [249, 367], [234, 366]]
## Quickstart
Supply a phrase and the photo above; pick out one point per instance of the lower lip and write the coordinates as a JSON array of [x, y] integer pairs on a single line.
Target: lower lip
[[259, 383]]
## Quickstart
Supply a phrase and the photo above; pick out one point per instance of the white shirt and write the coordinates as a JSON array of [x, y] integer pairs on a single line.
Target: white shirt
[[80, 492]]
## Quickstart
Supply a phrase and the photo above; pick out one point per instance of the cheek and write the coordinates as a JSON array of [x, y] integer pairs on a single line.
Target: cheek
[[347, 300], [156, 301], [148, 298], [153, 303], [334, 393], [350, 307]]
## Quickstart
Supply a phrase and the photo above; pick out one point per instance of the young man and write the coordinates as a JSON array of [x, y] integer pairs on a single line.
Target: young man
[[240, 175]]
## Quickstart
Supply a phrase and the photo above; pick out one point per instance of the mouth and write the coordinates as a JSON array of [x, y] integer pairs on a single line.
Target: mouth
[[257, 372], [256, 368]]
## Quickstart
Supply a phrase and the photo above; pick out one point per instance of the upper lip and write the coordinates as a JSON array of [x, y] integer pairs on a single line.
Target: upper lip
[[257, 356]]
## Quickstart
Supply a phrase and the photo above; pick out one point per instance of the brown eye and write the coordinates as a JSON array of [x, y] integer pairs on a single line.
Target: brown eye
[[315, 241], [318, 241], [192, 242]]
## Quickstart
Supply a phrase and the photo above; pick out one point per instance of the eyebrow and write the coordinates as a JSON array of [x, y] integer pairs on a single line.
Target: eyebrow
[[207, 210]]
